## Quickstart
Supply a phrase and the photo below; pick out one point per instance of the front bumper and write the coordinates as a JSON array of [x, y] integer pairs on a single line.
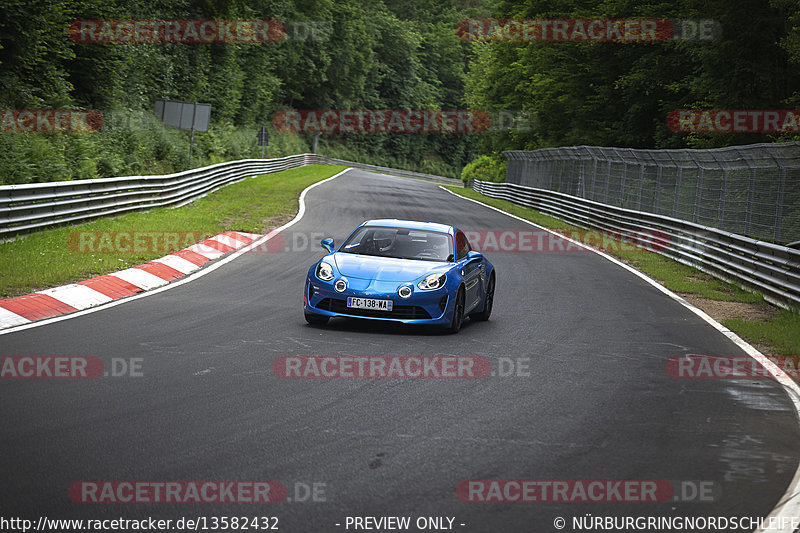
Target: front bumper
[[422, 307]]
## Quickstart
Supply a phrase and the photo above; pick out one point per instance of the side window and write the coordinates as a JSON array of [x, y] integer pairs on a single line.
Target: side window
[[462, 246]]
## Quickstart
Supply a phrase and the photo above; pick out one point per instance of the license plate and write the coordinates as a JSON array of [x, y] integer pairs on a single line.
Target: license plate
[[369, 303]]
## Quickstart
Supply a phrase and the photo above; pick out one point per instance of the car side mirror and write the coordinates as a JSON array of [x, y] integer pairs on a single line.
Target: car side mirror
[[472, 254], [327, 244]]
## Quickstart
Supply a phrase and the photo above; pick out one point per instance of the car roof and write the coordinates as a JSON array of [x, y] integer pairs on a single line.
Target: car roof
[[409, 224]]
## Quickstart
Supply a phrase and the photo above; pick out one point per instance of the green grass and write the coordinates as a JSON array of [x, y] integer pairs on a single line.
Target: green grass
[[65, 255], [681, 278], [780, 334]]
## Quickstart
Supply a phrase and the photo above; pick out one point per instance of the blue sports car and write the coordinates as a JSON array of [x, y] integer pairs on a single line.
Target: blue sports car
[[402, 271]]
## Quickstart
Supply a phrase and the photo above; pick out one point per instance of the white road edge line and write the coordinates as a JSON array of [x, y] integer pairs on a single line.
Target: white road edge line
[[789, 505], [191, 277]]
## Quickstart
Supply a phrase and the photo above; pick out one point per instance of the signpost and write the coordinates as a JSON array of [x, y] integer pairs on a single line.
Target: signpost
[[316, 138], [189, 116], [263, 139]]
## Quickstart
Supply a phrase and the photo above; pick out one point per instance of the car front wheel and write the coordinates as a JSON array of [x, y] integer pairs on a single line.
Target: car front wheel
[[316, 320], [488, 302], [458, 312]]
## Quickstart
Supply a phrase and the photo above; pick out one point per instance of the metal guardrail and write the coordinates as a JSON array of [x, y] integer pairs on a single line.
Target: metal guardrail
[[32, 207], [749, 190], [770, 269]]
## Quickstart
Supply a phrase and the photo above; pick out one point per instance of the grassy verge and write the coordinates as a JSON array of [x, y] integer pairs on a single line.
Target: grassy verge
[[774, 331], [65, 255]]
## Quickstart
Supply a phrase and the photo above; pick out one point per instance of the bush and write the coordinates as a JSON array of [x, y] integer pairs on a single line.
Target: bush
[[135, 143], [485, 168], [130, 143]]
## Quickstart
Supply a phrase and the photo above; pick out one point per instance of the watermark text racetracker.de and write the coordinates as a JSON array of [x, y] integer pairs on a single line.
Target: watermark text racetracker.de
[[68, 367], [207, 491], [197, 31], [177, 492], [515, 240], [132, 242], [638, 30], [727, 367], [587, 491], [734, 121], [402, 120], [398, 367]]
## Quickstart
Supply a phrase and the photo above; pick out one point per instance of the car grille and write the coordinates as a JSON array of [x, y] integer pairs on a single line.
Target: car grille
[[398, 311]]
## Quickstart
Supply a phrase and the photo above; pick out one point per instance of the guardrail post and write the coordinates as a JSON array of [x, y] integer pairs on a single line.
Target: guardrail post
[[779, 207], [698, 197], [678, 176], [560, 164], [657, 194], [571, 177], [722, 193], [748, 216], [641, 185]]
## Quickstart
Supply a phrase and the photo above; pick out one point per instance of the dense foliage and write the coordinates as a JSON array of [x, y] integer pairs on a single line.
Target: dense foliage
[[381, 54], [378, 54], [620, 94]]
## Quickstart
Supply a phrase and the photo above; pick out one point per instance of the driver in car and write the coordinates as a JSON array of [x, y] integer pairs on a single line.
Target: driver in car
[[383, 241]]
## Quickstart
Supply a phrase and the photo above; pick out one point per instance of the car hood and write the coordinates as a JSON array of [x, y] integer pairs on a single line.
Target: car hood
[[385, 268]]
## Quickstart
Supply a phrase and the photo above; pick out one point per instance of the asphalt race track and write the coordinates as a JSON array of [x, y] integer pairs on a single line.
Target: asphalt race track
[[595, 402]]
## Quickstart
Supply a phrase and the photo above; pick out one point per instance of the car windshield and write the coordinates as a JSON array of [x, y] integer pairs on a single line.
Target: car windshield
[[400, 243]]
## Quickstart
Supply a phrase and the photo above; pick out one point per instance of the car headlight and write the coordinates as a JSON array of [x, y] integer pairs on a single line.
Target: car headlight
[[434, 281], [404, 291], [340, 285], [324, 271]]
